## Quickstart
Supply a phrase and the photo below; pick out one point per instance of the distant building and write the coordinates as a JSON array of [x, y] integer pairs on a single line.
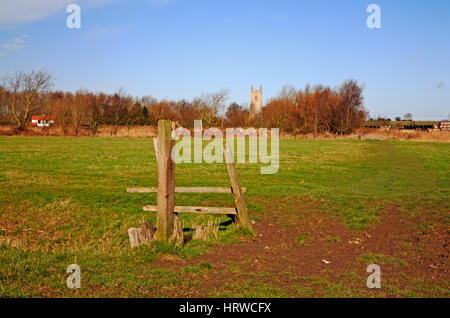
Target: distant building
[[445, 125], [408, 125], [256, 102], [42, 121]]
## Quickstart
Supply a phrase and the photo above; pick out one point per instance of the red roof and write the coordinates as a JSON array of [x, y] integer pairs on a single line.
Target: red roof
[[42, 117]]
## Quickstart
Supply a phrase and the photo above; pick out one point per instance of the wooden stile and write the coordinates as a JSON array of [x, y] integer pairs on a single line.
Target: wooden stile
[[167, 221]]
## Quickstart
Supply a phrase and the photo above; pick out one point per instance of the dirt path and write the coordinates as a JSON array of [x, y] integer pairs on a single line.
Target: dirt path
[[284, 257]]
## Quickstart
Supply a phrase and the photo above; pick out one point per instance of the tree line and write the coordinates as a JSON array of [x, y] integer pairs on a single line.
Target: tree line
[[314, 110]]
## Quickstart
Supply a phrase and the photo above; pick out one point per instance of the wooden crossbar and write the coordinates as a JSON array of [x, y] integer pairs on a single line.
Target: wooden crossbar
[[186, 190], [195, 209]]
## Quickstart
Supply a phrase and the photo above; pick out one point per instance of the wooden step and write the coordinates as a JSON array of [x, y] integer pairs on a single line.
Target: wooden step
[[186, 190], [195, 209]]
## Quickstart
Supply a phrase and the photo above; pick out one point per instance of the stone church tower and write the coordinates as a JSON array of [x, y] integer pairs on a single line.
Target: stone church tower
[[256, 102]]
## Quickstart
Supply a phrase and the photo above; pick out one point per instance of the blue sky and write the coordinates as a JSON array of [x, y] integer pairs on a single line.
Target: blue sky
[[182, 48]]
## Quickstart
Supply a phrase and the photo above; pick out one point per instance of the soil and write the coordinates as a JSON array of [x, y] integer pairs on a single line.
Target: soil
[[329, 253]]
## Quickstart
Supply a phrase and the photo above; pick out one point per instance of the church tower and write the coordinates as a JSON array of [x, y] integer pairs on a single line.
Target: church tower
[[256, 102]]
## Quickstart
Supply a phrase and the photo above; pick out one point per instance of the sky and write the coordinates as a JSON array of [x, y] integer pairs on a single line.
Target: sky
[[178, 49]]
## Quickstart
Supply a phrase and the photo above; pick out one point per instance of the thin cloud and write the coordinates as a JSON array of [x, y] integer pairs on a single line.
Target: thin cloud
[[22, 11], [19, 11], [15, 44]]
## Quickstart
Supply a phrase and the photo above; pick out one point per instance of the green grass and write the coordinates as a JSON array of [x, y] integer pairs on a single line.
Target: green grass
[[380, 259], [63, 200], [302, 240], [333, 239]]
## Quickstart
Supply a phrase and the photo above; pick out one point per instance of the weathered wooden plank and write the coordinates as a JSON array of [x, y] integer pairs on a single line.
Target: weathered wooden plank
[[242, 213], [168, 227], [143, 190], [134, 234], [186, 190], [155, 144], [143, 234], [195, 209]]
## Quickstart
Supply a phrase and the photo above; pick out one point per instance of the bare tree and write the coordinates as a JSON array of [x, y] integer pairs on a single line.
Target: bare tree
[[288, 92], [408, 116], [211, 106], [147, 101], [4, 110], [26, 94], [118, 107], [351, 103]]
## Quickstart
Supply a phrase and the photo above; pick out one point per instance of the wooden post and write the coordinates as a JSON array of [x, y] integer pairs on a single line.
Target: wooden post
[[168, 228], [242, 212]]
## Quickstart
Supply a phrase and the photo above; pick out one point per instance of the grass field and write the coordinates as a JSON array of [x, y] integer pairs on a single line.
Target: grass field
[[334, 207]]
